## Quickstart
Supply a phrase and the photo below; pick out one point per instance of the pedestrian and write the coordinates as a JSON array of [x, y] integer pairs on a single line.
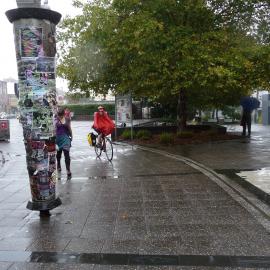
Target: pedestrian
[[248, 105], [103, 124], [63, 140], [67, 114], [246, 121]]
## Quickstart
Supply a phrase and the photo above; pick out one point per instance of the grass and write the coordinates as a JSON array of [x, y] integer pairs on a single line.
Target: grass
[[126, 135], [144, 134]]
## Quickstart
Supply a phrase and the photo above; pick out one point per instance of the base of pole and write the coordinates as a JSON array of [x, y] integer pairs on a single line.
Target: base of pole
[[44, 213], [43, 206]]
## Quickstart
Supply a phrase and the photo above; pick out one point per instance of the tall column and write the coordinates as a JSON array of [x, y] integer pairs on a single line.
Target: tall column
[[34, 35]]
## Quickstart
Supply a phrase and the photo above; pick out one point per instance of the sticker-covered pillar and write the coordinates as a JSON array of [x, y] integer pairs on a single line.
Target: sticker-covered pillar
[[34, 35]]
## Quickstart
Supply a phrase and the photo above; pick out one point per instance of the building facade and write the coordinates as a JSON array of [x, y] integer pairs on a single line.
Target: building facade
[[12, 104], [3, 96]]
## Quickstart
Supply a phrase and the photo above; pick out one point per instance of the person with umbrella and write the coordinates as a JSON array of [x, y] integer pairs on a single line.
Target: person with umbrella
[[248, 104]]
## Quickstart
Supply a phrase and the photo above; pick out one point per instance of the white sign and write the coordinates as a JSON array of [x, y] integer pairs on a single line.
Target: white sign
[[124, 109]]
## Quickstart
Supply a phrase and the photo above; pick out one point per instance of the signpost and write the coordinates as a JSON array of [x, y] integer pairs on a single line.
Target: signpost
[[123, 111]]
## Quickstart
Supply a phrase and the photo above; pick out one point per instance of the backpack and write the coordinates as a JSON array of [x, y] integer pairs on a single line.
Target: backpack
[[92, 138]]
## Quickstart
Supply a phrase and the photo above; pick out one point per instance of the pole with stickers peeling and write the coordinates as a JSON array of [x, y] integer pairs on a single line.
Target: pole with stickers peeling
[[34, 36]]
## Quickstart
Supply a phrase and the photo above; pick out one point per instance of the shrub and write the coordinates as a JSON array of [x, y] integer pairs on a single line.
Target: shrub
[[166, 138], [144, 134], [211, 132], [184, 134], [126, 135]]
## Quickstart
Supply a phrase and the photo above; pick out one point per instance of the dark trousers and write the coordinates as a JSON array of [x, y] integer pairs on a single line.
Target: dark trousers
[[246, 122], [67, 158]]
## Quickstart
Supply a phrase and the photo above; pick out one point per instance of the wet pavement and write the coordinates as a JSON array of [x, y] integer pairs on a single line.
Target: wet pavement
[[246, 158], [144, 210]]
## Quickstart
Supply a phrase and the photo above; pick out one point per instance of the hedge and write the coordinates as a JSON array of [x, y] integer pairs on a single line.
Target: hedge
[[89, 109]]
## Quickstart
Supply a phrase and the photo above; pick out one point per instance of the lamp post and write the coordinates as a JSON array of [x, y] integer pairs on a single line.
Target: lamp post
[[34, 36]]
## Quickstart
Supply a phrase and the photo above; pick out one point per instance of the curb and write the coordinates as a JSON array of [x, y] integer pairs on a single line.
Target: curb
[[259, 193]]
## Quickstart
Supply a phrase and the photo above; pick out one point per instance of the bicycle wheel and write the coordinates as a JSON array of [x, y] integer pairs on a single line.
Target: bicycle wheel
[[98, 151], [108, 149]]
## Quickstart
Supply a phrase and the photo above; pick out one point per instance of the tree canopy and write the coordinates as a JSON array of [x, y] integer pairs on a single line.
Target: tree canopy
[[204, 53]]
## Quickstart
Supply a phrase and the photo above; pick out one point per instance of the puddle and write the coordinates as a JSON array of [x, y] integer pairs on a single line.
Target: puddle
[[255, 180], [258, 178]]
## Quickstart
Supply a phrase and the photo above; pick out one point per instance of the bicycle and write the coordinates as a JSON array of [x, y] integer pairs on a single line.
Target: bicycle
[[106, 146]]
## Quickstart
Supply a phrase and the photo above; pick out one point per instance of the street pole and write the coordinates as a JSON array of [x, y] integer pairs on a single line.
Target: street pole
[[34, 35], [115, 118], [131, 109]]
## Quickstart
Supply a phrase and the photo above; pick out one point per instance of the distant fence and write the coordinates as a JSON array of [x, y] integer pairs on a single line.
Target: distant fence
[[86, 117]]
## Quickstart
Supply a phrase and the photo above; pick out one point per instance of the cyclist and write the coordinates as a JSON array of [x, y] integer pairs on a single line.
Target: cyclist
[[103, 124]]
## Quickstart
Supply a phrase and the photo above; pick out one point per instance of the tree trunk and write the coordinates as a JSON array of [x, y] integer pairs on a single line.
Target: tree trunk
[[217, 115], [182, 110]]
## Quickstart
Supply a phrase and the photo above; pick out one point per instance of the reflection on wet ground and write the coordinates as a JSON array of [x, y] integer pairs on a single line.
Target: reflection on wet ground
[[259, 178], [134, 260], [256, 181]]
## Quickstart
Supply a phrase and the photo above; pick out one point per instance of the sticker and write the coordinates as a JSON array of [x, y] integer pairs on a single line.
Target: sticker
[[37, 144], [46, 64], [49, 43], [43, 123], [31, 42]]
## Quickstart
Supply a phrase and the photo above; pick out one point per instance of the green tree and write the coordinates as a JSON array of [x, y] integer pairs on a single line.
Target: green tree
[[196, 52]]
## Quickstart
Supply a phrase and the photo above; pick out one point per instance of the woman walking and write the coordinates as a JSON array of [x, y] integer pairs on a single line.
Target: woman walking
[[63, 140]]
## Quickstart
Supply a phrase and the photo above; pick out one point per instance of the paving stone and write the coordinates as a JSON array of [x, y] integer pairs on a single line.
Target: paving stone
[[98, 232], [9, 206], [130, 205], [11, 221], [15, 244], [122, 246], [160, 220], [131, 213], [162, 231], [80, 245], [126, 220], [167, 246], [130, 233], [5, 265], [102, 220], [51, 245]]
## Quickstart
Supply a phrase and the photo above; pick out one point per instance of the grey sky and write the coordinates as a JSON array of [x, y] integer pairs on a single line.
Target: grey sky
[[8, 67]]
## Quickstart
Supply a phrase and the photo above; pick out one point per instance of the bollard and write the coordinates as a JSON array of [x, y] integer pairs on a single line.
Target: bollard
[[34, 35]]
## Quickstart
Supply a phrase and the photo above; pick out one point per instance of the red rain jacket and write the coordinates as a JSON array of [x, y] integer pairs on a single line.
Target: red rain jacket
[[103, 123]]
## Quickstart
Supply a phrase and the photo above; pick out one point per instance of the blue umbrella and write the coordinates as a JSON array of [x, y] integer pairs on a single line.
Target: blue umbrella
[[249, 103]]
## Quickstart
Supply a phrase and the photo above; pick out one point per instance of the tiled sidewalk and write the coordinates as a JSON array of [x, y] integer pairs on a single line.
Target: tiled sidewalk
[[142, 204], [247, 158]]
